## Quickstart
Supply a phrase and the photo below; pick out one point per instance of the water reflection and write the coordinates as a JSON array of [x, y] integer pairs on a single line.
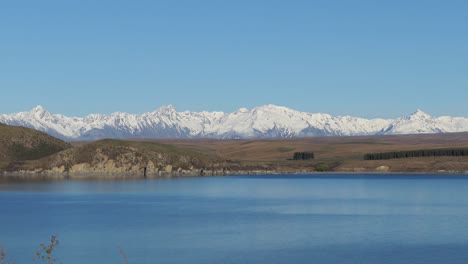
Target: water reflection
[[242, 219]]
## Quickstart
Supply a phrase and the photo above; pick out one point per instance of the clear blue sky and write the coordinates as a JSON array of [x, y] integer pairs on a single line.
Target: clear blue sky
[[360, 58]]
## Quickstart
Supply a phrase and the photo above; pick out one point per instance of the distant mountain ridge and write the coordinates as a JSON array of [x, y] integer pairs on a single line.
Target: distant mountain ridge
[[268, 121]]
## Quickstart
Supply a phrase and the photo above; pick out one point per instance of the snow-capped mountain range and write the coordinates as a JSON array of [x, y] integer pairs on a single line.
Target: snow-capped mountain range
[[267, 121]]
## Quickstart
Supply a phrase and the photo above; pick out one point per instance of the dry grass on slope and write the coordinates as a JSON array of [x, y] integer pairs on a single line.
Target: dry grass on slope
[[20, 144]]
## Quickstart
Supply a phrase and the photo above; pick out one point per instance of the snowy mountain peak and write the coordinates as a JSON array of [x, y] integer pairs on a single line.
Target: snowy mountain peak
[[243, 110], [39, 112], [421, 123], [419, 115], [267, 121], [166, 108], [271, 108], [38, 109]]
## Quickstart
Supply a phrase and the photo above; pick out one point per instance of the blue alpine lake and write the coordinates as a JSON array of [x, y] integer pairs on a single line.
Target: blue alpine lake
[[241, 219]]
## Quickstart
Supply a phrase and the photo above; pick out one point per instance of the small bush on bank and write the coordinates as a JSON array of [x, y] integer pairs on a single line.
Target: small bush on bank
[[322, 167]]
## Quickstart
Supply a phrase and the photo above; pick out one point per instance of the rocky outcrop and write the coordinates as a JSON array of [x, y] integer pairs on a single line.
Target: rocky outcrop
[[123, 158], [382, 168]]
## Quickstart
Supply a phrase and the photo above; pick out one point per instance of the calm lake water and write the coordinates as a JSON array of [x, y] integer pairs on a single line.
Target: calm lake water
[[242, 219]]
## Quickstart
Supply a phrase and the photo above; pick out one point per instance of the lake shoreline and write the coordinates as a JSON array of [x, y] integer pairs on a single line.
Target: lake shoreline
[[6, 176]]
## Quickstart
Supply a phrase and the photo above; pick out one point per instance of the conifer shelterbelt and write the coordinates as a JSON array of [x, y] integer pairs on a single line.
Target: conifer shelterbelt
[[303, 155], [417, 153]]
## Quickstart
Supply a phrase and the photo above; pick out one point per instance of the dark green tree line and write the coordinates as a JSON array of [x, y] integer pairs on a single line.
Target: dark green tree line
[[416, 153], [303, 155]]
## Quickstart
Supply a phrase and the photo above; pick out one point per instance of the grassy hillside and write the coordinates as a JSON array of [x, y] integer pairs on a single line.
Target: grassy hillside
[[20, 144], [26, 149], [339, 149], [338, 153], [178, 156], [120, 156]]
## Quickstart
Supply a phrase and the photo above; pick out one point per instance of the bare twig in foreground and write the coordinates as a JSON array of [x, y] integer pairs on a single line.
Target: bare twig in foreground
[[122, 253]]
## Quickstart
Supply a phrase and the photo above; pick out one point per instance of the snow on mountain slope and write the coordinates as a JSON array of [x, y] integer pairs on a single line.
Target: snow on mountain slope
[[422, 123], [40, 119], [267, 121]]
